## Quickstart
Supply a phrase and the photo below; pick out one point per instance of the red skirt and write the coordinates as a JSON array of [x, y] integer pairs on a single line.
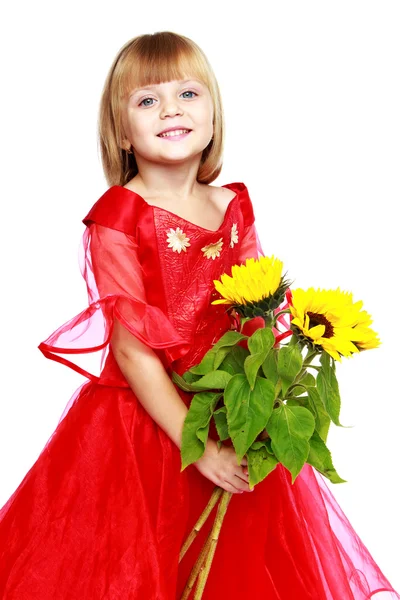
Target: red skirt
[[104, 511]]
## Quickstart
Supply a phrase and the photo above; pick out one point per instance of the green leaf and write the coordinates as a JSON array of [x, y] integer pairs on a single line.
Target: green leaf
[[260, 463], [290, 428], [247, 410], [229, 338], [270, 366], [300, 401], [207, 363], [326, 360], [297, 389], [304, 382], [196, 426], [190, 377], [290, 362], [259, 344], [215, 380], [320, 458], [261, 341], [278, 388], [214, 357], [308, 380], [328, 389], [268, 445], [221, 423], [322, 419], [234, 361], [180, 382]]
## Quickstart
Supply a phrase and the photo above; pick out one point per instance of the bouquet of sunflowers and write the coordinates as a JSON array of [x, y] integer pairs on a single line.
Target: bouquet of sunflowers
[[273, 401]]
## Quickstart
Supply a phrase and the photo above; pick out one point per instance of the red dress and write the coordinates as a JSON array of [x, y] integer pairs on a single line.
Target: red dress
[[104, 510]]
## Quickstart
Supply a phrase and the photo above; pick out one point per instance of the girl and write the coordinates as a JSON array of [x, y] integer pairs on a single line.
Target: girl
[[104, 511]]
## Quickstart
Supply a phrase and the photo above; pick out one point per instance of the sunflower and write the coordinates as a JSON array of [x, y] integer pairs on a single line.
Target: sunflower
[[332, 320], [254, 287]]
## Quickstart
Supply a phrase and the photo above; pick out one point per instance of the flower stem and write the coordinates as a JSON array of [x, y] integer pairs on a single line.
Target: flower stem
[[199, 564], [309, 356], [306, 364], [202, 565], [281, 312], [269, 319], [291, 388], [222, 508], [201, 520]]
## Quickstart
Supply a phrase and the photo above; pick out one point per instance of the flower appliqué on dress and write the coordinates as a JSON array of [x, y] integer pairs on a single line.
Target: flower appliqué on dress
[[213, 250], [177, 240], [234, 235]]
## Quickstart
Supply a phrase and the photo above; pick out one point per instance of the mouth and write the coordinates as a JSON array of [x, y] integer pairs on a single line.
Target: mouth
[[176, 134]]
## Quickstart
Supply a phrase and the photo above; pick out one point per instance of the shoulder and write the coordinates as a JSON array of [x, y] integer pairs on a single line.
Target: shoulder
[[223, 195], [117, 209], [228, 191]]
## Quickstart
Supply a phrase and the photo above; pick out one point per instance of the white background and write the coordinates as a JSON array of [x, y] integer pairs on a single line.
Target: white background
[[311, 96]]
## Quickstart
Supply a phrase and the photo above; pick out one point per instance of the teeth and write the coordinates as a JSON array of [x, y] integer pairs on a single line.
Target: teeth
[[172, 133]]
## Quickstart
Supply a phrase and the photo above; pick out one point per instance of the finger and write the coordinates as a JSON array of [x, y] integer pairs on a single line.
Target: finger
[[230, 488], [242, 484], [242, 476]]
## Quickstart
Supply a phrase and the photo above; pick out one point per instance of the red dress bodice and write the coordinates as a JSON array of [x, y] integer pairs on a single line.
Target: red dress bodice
[[155, 272]]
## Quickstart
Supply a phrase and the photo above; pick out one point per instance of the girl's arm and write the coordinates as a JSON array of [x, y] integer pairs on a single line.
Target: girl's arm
[[149, 381], [112, 267]]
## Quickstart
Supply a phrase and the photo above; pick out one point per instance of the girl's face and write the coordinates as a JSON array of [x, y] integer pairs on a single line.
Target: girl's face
[[149, 111]]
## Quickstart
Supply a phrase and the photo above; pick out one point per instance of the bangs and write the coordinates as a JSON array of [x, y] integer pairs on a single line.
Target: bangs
[[155, 61]]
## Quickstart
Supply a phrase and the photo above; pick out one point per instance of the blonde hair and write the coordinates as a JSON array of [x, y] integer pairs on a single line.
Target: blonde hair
[[152, 59]]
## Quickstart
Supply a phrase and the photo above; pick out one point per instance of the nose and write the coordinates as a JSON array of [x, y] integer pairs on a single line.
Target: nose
[[170, 108]]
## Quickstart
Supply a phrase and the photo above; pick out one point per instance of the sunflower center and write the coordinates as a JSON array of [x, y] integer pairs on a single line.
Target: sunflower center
[[318, 319]]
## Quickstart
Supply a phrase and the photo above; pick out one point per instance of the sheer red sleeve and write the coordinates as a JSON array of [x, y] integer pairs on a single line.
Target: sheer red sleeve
[[110, 266], [250, 244]]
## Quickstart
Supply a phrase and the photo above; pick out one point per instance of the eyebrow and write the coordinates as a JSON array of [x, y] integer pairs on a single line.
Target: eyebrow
[[150, 87]]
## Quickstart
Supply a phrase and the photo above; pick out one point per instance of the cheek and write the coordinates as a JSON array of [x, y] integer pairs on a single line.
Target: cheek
[[205, 116], [137, 123], [141, 131]]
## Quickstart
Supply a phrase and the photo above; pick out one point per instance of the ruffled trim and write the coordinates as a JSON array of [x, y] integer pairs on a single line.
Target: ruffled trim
[[90, 331]]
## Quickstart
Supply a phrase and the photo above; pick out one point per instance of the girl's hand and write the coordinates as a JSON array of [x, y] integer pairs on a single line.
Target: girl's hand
[[220, 467]]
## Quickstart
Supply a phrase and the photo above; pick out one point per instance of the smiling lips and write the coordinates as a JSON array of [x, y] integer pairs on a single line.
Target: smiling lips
[[176, 133]]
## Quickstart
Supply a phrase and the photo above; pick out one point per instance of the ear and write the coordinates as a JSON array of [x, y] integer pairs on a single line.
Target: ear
[[125, 145]]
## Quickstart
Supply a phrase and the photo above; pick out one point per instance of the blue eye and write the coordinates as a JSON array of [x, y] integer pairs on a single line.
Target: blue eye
[[189, 92], [144, 99], [149, 98]]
